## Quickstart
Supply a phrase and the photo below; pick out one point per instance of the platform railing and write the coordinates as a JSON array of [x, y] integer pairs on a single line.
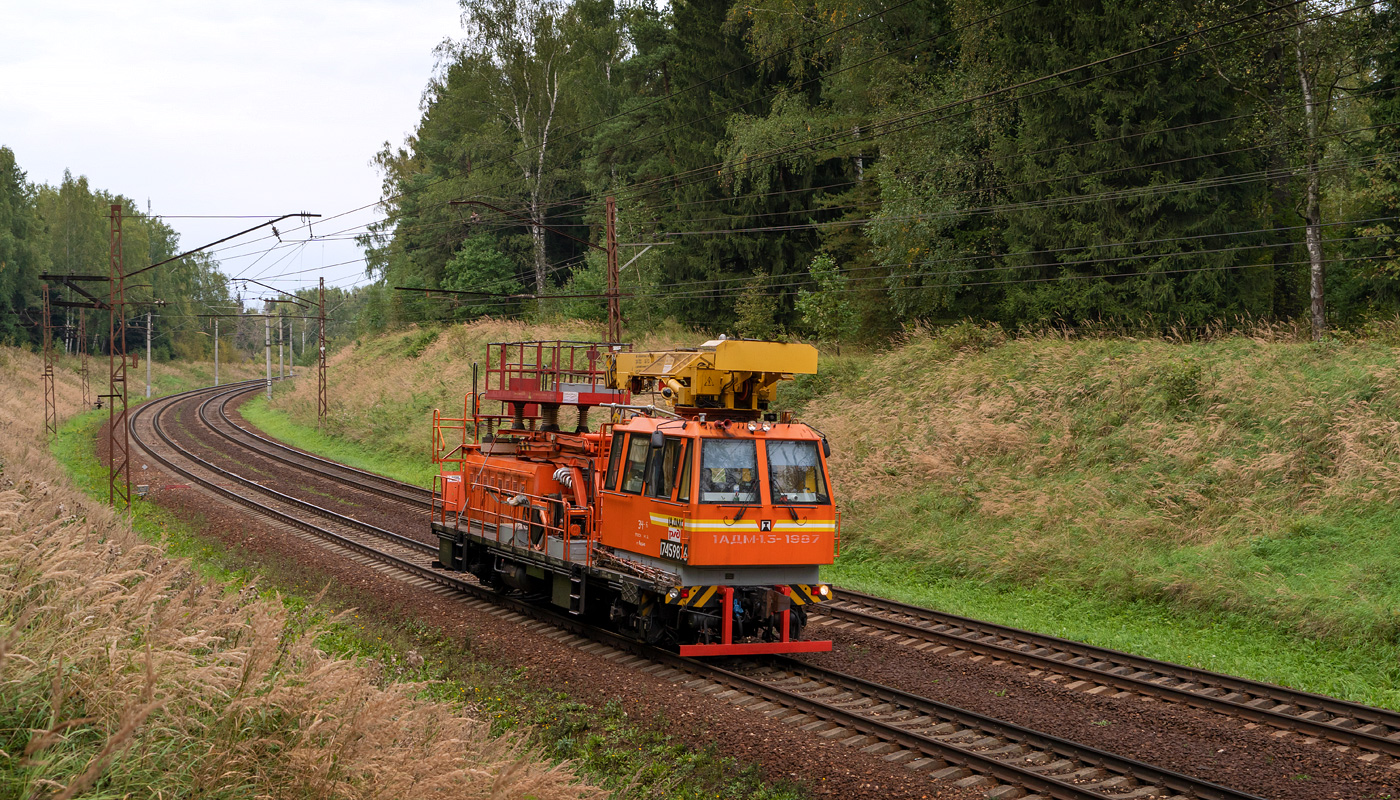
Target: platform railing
[[441, 426], [486, 507], [548, 364]]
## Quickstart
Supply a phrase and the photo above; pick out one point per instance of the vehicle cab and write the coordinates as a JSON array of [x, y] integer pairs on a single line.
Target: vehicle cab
[[720, 501]]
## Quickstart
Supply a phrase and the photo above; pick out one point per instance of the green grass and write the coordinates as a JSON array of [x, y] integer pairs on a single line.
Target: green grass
[[279, 425], [606, 746]]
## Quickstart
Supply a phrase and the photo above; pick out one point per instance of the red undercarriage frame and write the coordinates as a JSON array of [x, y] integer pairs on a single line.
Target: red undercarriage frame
[[728, 647]]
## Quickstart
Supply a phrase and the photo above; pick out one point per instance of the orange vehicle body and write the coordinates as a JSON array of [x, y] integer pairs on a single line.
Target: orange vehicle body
[[703, 528]]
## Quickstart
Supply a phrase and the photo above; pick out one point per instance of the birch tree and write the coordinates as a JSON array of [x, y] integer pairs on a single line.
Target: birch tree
[[527, 51], [1329, 45]]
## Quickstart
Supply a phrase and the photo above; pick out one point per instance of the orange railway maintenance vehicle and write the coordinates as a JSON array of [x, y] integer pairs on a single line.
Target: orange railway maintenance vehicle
[[702, 525]]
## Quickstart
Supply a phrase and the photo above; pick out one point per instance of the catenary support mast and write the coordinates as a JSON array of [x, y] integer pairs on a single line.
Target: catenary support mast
[[614, 301], [118, 437], [267, 349], [321, 357], [50, 396]]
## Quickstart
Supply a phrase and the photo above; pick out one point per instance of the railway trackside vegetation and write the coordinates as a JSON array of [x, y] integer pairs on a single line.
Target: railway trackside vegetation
[[842, 171], [128, 673], [602, 745], [1231, 498], [1225, 502]]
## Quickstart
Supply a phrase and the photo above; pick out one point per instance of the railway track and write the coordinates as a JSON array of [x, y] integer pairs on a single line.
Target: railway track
[[1375, 730], [970, 749], [226, 427], [1366, 728], [147, 427]]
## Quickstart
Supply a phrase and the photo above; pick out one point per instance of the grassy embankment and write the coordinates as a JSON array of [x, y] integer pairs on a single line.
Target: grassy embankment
[[1227, 503], [416, 664], [128, 674]]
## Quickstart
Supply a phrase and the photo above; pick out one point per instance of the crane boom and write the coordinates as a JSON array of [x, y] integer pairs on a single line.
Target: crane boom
[[737, 376]]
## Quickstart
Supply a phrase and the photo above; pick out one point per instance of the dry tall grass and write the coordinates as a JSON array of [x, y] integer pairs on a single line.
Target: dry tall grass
[[122, 674], [1250, 470], [1003, 424]]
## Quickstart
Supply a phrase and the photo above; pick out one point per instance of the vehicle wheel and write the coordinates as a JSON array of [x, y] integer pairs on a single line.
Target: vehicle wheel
[[797, 620]]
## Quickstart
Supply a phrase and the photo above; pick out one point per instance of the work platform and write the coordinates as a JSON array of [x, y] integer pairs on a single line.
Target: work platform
[[557, 373]]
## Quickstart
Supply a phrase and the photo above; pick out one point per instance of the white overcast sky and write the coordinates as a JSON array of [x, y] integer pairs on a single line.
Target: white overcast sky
[[262, 107]]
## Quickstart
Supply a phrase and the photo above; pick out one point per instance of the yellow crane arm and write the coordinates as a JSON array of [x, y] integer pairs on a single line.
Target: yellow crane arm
[[724, 374]]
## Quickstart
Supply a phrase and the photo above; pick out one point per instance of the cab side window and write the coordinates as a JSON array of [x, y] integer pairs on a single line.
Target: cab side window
[[663, 470], [614, 459], [686, 457], [635, 468]]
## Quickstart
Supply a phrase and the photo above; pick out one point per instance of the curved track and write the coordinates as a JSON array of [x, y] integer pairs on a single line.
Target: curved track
[[1340, 721], [397, 491], [972, 749]]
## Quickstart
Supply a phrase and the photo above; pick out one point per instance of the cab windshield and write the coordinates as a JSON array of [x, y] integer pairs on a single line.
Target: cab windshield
[[728, 471], [795, 473]]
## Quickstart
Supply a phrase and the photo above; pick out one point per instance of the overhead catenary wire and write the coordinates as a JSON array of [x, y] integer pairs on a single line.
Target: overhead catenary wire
[[1073, 199], [669, 291]]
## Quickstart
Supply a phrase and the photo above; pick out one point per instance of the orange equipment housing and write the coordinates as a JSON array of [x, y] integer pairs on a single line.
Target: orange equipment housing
[[703, 525]]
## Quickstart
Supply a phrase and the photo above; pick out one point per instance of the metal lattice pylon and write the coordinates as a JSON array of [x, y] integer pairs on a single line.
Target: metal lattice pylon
[[50, 396], [118, 437], [614, 301], [83, 357], [321, 404]]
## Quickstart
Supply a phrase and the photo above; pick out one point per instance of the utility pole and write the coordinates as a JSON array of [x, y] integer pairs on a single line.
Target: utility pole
[[216, 352], [321, 358], [267, 348], [83, 356], [50, 396], [148, 354], [118, 437], [614, 302], [281, 365]]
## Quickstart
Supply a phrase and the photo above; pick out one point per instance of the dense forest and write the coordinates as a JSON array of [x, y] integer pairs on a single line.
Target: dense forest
[[839, 171], [835, 169], [65, 230]]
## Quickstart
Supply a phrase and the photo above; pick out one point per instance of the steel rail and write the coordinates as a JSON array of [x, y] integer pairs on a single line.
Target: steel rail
[[1175, 781], [399, 491], [227, 493], [1234, 696], [326, 513], [978, 762]]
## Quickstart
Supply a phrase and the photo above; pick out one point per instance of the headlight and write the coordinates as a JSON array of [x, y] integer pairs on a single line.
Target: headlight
[[824, 591], [753, 427], [672, 595], [767, 427]]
